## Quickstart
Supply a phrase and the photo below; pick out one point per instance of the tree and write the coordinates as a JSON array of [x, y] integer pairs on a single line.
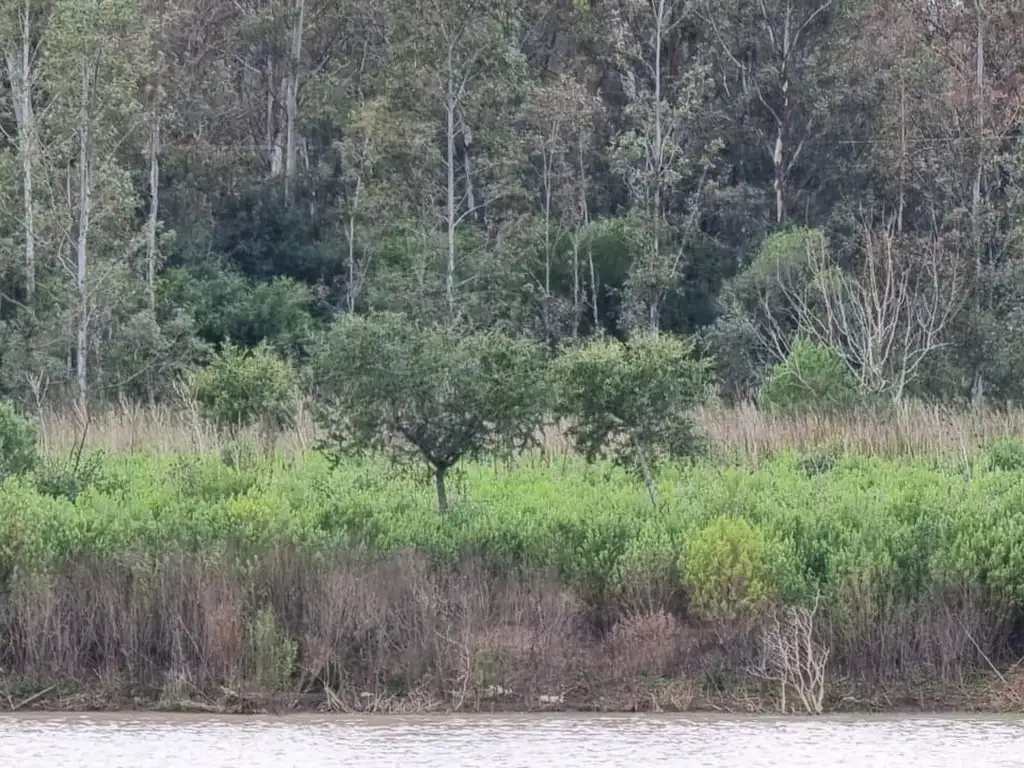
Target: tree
[[433, 393], [769, 48], [886, 316], [632, 400], [98, 47], [558, 115], [660, 149], [19, 55], [457, 70]]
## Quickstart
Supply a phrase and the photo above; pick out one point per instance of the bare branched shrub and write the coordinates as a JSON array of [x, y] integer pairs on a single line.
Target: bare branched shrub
[[892, 640], [886, 317], [792, 656]]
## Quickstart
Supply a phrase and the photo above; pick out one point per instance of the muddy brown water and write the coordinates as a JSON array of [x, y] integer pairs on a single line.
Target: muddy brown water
[[548, 741]]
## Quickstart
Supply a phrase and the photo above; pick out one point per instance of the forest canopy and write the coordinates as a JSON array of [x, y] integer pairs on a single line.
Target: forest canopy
[[183, 174]]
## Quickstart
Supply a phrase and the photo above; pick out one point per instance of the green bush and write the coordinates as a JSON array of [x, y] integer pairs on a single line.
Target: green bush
[[272, 654], [869, 532], [68, 478], [813, 378], [241, 387], [726, 570], [19, 439], [1006, 453]]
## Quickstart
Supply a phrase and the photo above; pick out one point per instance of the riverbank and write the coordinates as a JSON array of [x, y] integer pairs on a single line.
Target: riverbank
[[991, 694], [282, 631], [838, 582]]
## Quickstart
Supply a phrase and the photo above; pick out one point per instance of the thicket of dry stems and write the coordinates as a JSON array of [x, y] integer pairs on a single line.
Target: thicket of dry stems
[[741, 432], [396, 634]]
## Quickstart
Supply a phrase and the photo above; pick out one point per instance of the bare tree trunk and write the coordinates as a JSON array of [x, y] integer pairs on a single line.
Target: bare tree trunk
[[440, 472], [19, 67], [292, 95], [467, 165], [978, 384], [778, 156], [980, 137], [351, 290], [659, 161], [84, 210], [904, 153], [154, 203], [586, 223], [275, 132], [577, 304], [548, 181], [450, 103]]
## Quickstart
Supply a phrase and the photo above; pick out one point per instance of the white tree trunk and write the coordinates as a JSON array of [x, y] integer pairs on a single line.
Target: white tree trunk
[[450, 103], [292, 95], [658, 163], [352, 289], [275, 130], [154, 206], [19, 69], [82, 253]]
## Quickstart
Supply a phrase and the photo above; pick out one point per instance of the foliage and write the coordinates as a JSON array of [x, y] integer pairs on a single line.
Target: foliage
[[243, 386], [1006, 454], [19, 438], [68, 478], [726, 567], [438, 393], [631, 400], [813, 378], [272, 654], [867, 533]]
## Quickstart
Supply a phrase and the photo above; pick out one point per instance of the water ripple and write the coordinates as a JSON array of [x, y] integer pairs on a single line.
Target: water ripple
[[85, 741]]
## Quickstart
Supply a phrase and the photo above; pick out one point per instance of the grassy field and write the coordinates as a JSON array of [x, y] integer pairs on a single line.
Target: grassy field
[[737, 434], [175, 563]]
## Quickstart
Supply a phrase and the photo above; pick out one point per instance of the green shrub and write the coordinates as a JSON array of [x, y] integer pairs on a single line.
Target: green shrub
[[19, 439], [240, 387], [272, 654], [726, 570], [1006, 453], [813, 378], [869, 532], [69, 478]]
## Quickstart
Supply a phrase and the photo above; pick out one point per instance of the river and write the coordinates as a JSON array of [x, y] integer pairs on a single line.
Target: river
[[510, 741]]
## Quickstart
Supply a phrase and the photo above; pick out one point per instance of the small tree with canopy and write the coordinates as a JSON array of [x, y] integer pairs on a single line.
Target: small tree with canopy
[[632, 401], [437, 394]]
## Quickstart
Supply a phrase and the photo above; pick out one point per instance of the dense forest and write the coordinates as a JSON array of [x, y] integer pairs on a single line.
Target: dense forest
[[177, 173]]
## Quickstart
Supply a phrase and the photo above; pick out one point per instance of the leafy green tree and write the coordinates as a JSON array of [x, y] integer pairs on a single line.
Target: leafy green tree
[[436, 394], [813, 377], [632, 400]]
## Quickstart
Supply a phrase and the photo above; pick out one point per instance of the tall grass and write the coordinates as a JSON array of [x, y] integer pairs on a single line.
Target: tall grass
[[741, 433]]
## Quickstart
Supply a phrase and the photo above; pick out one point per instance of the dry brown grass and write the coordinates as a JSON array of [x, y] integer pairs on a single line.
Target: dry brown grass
[[130, 428], [741, 433], [397, 635], [912, 430], [371, 633]]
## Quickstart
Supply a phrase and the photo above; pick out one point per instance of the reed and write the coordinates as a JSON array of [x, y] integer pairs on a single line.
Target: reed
[[743, 432]]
